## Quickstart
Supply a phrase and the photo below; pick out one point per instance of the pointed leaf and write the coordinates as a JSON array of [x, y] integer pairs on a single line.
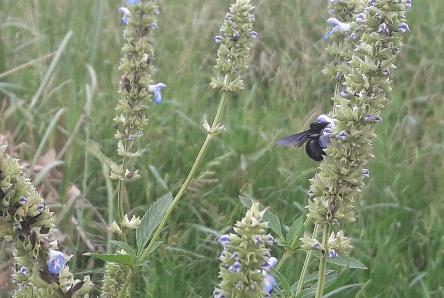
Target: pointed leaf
[[125, 246], [247, 202], [347, 261], [294, 232], [151, 220], [274, 223]]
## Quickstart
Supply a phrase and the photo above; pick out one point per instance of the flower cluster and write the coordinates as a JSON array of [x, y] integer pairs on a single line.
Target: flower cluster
[[343, 36], [115, 276], [363, 93], [136, 86], [235, 38], [246, 260], [25, 220]]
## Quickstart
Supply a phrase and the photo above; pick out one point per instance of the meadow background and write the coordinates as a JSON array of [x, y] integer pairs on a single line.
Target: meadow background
[[56, 115]]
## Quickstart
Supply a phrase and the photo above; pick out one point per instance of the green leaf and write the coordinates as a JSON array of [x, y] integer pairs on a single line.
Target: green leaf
[[247, 202], [294, 232], [116, 258], [347, 261], [125, 246], [151, 220], [283, 285], [274, 222], [342, 289]]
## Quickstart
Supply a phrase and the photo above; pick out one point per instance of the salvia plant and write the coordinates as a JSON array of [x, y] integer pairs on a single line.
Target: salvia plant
[[363, 41], [246, 259], [363, 90], [234, 39], [40, 267]]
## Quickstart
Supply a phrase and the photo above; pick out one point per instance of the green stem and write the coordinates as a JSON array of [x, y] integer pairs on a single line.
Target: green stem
[[306, 263], [323, 260], [181, 192], [190, 176]]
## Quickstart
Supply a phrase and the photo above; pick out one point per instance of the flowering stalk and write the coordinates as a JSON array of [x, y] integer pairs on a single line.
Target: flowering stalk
[[362, 95], [235, 41], [234, 44], [40, 268], [342, 38], [136, 89], [246, 260]]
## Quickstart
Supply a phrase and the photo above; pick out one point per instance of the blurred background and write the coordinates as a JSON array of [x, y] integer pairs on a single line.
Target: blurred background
[[56, 115]]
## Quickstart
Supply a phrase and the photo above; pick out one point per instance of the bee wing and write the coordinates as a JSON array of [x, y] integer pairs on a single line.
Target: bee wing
[[296, 140]]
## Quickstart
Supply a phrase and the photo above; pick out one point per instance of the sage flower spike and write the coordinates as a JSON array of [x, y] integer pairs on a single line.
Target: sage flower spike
[[338, 26], [125, 15], [156, 90], [56, 262]]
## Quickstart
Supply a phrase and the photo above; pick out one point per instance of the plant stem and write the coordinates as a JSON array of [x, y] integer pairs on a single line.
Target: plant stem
[[323, 261], [180, 193], [306, 263], [190, 176]]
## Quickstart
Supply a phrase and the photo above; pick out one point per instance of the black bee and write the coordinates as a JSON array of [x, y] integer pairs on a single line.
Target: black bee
[[316, 138]]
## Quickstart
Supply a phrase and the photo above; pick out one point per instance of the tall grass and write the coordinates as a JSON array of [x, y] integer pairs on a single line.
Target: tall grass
[[401, 222]]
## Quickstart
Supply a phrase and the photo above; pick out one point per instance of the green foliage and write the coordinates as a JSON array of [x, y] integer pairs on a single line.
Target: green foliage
[[401, 223]]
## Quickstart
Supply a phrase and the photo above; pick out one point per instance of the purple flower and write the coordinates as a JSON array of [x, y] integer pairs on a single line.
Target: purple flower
[[253, 34], [156, 90], [270, 264], [316, 246], [23, 271], [257, 240], [236, 267], [408, 3], [366, 173], [56, 262], [338, 26], [218, 294], [269, 239], [403, 27], [371, 2], [360, 18], [132, 2], [224, 240], [332, 253], [342, 136], [125, 15], [41, 208], [383, 28], [23, 201], [344, 94], [218, 39], [269, 284], [372, 118], [154, 26]]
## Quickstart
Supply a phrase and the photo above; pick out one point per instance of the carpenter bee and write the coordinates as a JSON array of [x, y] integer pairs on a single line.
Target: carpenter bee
[[316, 138]]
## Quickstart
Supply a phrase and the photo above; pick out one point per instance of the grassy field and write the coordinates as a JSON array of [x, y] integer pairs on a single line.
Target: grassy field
[[52, 105]]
